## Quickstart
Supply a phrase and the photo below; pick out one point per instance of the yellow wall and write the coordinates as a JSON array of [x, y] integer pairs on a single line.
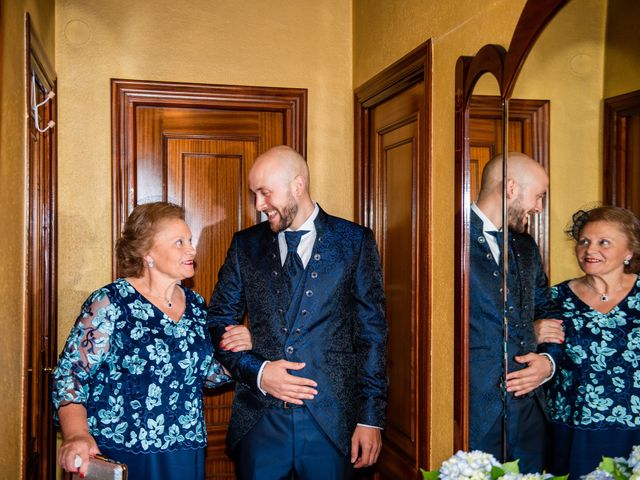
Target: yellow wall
[[566, 66], [277, 43], [12, 205], [383, 32], [622, 54]]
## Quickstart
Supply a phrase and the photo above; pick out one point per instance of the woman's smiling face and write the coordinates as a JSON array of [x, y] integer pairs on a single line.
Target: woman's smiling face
[[602, 248]]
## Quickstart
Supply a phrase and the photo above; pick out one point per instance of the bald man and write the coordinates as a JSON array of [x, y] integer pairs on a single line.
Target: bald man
[[527, 287], [310, 397]]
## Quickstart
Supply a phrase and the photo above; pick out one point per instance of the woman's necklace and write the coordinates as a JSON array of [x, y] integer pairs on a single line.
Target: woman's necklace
[[604, 297], [167, 300]]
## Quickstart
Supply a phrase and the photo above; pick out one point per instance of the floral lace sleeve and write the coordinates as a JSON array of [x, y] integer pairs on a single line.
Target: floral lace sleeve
[[86, 348], [217, 375]]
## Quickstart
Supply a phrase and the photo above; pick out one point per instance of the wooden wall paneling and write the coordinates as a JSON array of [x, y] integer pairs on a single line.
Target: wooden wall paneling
[[392, 192]]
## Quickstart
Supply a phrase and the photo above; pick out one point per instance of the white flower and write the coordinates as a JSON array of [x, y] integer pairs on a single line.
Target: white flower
[[634, 459], [474, 465], [597, 475], [525, 476]]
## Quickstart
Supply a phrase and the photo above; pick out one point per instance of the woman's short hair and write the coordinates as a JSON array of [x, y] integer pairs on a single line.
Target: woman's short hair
[[138, 232], [622, 218]]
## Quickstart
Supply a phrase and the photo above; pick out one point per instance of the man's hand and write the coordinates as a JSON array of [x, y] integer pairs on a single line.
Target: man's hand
[[526, 380], [236, 338], [366, 443], [549, 330], [278, 382]]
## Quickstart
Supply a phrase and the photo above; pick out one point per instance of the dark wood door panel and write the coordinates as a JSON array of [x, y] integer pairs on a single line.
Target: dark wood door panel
[[398, 147]]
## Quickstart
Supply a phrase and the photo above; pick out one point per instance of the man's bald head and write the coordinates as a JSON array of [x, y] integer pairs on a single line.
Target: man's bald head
[[279, 180], [520, 168], [283, 162], [527, 183]]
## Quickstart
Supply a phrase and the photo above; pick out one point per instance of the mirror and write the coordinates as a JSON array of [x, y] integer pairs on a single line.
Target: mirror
[[571, 74]]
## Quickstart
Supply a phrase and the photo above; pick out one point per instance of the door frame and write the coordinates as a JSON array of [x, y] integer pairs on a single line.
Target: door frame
[[127, 95], [41, 290]]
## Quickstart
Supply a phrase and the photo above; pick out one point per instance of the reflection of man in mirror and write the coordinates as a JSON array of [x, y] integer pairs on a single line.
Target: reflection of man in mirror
[[527, 183]]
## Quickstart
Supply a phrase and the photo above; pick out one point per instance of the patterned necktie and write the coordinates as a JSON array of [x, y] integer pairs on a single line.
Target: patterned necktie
[[293, 263]]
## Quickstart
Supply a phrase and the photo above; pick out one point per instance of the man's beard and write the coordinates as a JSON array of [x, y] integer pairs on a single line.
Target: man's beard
[[287, 214], [517, 217]]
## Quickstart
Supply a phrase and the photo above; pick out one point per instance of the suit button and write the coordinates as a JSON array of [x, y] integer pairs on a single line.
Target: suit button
[[314, 274], [273, 255], [522, 344], [481, 239], [298, 331], [289, 350], [316, 257], [278, 292], [511, 309], [526, 307], [274, 273], [489, 256], [495, 273], [285, 329], [309, 293], [281, 310], [304, 312]]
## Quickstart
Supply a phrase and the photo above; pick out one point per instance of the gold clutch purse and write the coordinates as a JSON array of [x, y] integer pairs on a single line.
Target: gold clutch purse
[[103, 468]]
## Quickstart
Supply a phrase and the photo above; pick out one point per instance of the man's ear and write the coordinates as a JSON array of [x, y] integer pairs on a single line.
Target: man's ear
[[513, 188], [298, 185]]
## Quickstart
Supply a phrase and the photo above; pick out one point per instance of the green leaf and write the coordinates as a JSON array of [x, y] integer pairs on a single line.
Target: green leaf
[[496, 472], [607, 464], [511, 467], [563, 477], [429, 475]]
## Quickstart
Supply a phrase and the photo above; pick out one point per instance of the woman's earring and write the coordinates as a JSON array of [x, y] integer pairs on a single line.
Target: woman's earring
[[150, 263], [627, 261]]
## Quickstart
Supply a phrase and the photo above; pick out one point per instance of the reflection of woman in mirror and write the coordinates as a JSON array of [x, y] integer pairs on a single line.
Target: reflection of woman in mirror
[[129, 380], [594, 398]]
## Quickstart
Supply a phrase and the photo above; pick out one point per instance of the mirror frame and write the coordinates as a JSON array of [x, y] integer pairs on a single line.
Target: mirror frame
[[504, 65]]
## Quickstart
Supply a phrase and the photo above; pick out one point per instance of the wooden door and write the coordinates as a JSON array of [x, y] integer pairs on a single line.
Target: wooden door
[[198, 155], [622, 151], [528, 133], [393, 190], [41, 266]]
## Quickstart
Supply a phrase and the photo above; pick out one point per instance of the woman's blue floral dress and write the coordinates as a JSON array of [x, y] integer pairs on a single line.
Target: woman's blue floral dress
[[594, 397], [139, 374]]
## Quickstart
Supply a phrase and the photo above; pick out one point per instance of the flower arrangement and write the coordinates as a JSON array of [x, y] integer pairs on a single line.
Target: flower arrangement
[[618, 468], [477, 465]]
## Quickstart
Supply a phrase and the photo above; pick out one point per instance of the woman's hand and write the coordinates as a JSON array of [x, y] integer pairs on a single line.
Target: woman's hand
[[82, 446], [549, 330], [236, 338], [76, 439]]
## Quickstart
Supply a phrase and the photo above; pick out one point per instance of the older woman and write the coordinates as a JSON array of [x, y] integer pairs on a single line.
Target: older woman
[[129, 380], [594, 398]]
